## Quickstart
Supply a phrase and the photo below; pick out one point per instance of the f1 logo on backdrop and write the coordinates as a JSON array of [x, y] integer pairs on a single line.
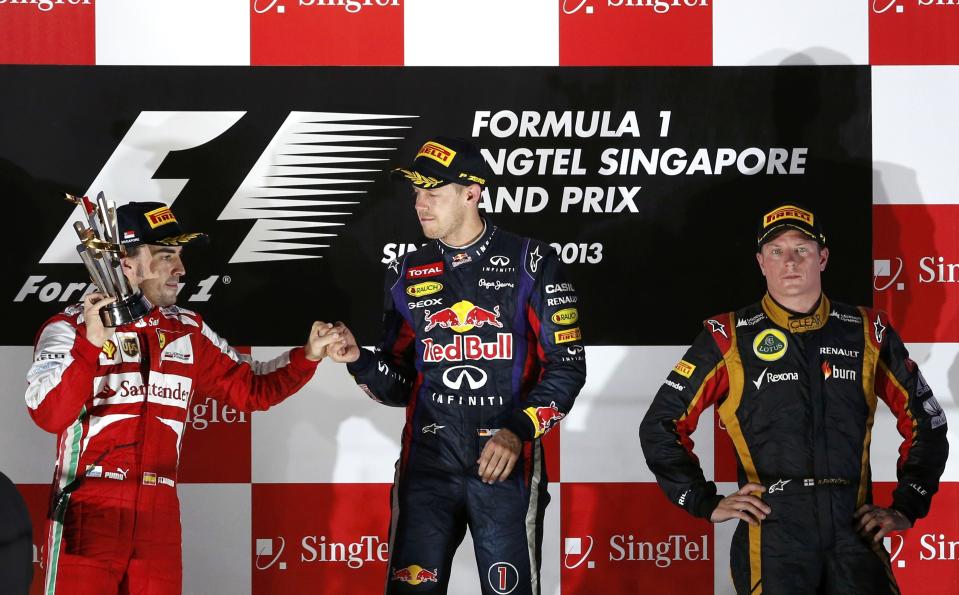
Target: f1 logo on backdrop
[[284, 176]]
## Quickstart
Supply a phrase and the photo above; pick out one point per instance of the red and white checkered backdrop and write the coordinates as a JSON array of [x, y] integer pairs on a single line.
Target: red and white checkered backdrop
[[294, 500]]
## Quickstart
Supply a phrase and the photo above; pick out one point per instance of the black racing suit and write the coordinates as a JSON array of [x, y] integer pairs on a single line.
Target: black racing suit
[[475, 339], [797, 395]]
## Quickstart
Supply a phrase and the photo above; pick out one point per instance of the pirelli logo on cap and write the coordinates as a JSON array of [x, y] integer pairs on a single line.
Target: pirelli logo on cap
[[437, 152], [684, 368], [158, 217], [788, 212]]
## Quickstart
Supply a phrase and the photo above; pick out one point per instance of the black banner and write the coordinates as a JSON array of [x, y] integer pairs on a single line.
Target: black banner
[[649, 181]]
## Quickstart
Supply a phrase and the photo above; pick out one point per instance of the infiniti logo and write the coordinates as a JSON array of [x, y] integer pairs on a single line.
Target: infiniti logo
[[500, 261], [475, 377]]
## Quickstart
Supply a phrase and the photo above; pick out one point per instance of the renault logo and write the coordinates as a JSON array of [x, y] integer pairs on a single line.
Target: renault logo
[[500, 261], [475, 377]]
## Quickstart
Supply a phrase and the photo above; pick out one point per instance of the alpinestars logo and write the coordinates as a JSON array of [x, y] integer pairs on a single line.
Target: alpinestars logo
[[310, 175]]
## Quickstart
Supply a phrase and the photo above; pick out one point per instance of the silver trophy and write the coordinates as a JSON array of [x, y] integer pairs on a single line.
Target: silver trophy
[[101, 251]]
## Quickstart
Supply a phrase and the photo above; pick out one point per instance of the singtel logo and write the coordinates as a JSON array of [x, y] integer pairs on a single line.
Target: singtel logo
[[318, 549], [881, 6], [658, 6], [48, 5], [351, 6]]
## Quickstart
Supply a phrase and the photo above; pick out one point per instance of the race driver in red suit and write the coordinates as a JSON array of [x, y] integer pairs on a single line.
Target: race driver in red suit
[[117, 398], [482, 347], [796, 379]]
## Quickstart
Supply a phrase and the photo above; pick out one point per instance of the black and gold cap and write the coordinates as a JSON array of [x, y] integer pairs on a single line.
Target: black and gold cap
[[445, 160], [789, 216], [152, 223]]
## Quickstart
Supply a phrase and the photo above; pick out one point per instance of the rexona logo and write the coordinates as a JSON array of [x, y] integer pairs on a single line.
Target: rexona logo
[[657, 6], [350, 6], [46, 5], [271, 552]]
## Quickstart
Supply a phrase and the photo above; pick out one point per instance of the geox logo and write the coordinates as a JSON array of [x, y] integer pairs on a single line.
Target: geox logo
[[316, 160]]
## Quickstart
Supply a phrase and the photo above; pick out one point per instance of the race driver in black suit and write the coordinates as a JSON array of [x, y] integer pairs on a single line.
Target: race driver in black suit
[[796, 379], [482, 346]]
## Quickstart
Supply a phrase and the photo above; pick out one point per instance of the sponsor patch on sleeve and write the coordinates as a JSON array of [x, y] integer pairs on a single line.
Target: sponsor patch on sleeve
[[568, 336], [684, 368]]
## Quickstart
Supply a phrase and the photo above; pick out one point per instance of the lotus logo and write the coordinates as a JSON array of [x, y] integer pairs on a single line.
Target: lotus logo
[[475, 377], [500, 261]]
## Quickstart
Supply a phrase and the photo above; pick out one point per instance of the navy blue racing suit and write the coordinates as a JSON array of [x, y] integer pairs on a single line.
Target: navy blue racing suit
[[476, 339]]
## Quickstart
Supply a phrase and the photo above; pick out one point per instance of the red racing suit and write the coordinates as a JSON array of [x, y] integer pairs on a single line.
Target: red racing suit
[[119, 413], [797, 394]]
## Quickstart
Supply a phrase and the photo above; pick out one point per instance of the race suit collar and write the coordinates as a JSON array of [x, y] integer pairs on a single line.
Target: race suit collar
[[797, 323], [472, 252]]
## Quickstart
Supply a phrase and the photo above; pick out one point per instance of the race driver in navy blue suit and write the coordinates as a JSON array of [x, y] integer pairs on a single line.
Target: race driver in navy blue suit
[[482, 346]]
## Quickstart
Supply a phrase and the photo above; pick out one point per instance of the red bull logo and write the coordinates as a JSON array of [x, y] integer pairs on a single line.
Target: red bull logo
[[469, 347], [415, 574], [445, 318], [463, 316], [543, 418]]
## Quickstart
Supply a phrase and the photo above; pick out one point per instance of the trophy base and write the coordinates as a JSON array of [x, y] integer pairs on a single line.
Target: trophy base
[[129, 310]]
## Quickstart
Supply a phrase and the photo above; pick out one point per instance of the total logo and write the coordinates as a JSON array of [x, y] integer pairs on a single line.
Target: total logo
[[629, 548], [882, 6], [48, 5], [319, 549], [658, 6], [350, 6], [462, 317]]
